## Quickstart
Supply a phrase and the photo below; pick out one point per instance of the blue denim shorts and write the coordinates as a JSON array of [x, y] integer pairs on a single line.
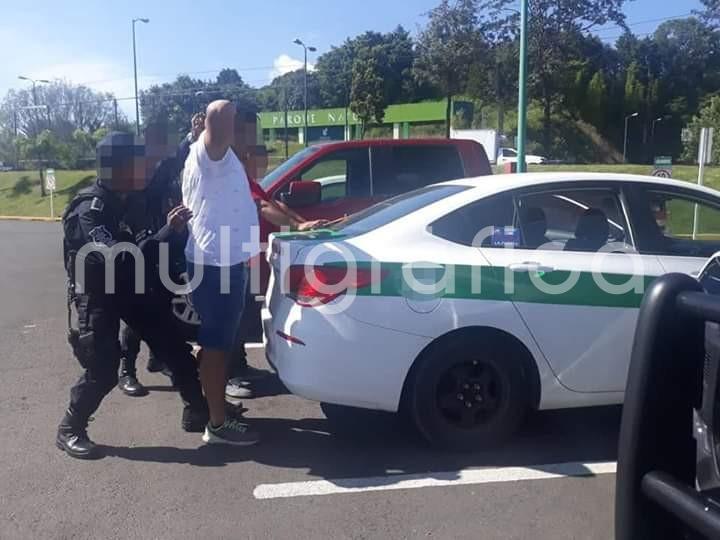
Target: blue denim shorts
[[220, 309]]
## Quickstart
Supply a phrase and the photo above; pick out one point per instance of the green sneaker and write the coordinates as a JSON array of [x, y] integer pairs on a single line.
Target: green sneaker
[[231, 432]]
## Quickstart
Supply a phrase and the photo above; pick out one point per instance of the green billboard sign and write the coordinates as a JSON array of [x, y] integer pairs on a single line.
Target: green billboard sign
[[429, 111]]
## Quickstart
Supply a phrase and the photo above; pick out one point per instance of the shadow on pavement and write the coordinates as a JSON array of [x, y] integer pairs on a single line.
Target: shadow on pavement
[[383, 445]]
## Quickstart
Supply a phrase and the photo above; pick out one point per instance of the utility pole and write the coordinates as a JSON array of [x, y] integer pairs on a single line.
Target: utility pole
[[115, 113], [137, 102], [285, 132], [522, 93], [306, 48]]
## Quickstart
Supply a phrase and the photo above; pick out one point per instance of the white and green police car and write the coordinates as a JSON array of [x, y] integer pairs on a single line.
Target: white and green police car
[[470, 302]]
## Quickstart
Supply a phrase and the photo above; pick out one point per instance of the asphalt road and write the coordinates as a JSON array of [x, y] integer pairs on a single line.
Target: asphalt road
[[158, 482]]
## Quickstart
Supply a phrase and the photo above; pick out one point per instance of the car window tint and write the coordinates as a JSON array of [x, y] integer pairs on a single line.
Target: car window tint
[[487, 222], [400, 169], [331, 174], [570, 220], [392, 209], [341, 174], [283, 168], [683, 225]]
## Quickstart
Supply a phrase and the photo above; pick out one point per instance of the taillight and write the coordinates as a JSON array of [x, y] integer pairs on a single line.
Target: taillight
[[312, 286]]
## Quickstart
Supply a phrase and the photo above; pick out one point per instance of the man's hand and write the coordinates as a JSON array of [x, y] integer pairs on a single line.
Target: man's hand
[[178, 217], [310, 225], [198, 125]]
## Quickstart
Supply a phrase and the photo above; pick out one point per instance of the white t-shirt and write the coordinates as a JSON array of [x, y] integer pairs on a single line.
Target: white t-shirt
[[224, 227]]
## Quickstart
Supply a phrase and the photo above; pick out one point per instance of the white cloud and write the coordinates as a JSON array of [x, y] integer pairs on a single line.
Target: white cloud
[[285, 64]]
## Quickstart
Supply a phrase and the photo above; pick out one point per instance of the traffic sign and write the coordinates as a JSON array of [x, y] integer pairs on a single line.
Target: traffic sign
[[50, 182], [663, 167]]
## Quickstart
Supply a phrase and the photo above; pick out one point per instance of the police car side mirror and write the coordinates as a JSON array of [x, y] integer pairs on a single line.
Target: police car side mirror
[[301, 194]]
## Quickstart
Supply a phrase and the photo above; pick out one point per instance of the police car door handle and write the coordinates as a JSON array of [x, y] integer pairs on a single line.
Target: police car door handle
[[530, 266]]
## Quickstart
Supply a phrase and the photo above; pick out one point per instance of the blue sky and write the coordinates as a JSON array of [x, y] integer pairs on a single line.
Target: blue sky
[[89, 41]]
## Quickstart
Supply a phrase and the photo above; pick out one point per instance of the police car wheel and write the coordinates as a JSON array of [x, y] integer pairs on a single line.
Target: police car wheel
[[469, 394]]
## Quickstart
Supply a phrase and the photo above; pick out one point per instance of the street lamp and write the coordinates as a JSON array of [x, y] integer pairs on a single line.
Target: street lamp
[[306, 48], [34, 85], [652, 131], [47, 111], [625, 140], [137, 103]]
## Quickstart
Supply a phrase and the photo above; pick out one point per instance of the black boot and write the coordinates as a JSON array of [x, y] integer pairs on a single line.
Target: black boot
[[128, 382], [72, 438], [155, 365], [130, 386], [195, 418]]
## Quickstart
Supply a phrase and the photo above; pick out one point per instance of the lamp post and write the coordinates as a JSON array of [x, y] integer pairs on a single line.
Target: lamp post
[[625, 139], [137, 103], [34, 85], [35, 107], [652, 131], [306, 48], [522, 94]]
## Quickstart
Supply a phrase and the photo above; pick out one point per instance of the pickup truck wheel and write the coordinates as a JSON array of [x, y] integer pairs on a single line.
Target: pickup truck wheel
[[184, 312], [469, 395]]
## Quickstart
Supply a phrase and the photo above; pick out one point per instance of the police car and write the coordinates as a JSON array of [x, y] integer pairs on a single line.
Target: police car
[[471, 302]]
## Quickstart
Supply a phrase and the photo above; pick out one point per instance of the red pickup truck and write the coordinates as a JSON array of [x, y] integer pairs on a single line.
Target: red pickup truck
[[329, 181], [334, 179]]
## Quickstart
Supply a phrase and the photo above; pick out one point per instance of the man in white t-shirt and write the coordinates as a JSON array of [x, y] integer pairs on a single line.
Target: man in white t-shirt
[[223, 236]]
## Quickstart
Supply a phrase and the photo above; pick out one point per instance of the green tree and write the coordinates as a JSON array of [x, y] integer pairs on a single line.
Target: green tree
[[173, 104], [394, 55], [596, 100], [557, 31], [446, 49], [367, 96], [288, 90], [708, 116]]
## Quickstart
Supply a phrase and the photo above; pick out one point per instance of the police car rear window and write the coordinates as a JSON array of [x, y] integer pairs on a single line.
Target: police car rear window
[[395, 208]]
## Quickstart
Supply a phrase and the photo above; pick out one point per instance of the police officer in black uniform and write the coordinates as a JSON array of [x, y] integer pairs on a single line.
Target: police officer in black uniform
[[96, 241], [147, 213]]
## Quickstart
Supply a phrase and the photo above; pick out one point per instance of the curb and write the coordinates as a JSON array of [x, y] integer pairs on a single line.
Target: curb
[[29, 218]]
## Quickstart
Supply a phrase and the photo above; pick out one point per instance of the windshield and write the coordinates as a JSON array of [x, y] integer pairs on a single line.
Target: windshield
[[273, 176], [390, 210]]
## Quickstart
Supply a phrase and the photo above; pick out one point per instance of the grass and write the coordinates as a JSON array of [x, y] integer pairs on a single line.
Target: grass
[[20, 190]]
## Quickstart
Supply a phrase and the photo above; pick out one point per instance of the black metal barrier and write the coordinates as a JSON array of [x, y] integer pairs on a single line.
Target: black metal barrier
[[668, 476]]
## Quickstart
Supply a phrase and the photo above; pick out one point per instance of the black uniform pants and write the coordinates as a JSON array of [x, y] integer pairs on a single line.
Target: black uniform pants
[[129, 350], [99, 316]]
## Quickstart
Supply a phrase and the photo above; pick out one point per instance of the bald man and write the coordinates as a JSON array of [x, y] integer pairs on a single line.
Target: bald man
[[220, 243]]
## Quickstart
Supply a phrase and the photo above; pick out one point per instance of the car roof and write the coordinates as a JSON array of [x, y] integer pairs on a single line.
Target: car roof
[[504, 182], [391, 142]]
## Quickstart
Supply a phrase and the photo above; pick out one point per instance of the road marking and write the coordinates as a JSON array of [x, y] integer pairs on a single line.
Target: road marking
[[254, 345], [415, 481]]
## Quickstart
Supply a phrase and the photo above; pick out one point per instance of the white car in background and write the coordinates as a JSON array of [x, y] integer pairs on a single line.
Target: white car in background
[[509, 155], [469, 333]]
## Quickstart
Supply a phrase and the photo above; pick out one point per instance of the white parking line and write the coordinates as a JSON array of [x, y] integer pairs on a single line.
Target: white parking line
[[415, 481]]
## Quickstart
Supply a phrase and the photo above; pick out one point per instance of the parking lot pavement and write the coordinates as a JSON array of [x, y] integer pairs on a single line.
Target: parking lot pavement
[[369, 478]]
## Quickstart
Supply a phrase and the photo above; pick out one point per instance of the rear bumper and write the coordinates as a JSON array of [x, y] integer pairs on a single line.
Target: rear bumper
[[342, 361]]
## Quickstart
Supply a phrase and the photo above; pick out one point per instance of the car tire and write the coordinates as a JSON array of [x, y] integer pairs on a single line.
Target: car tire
[[469, 394]]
